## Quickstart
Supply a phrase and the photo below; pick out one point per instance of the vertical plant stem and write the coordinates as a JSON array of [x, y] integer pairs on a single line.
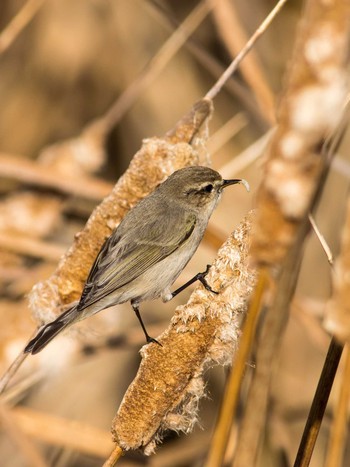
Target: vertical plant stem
[[339, 427], [228, 408], [267, 352], [114, 457], [319, 404]]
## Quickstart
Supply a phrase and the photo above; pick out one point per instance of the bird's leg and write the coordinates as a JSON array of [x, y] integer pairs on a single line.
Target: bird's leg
[[198, 277], [149, 339]]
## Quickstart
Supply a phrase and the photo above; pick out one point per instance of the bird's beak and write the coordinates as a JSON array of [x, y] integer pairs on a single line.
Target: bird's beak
[[226, 183]]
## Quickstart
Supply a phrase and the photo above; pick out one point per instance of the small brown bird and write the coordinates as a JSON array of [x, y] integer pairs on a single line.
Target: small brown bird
[[148, 250]]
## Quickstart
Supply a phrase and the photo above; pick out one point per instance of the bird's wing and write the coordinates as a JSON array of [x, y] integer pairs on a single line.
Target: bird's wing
[[122, 259]]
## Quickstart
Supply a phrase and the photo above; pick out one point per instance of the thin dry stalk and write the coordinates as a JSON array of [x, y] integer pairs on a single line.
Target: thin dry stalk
[[155, 66], [319, 405], [18, 23], [25, 447], [210, 64], [337, 442], [213, 92], [114, 457], [337, 320], [27, 246], [275, 318], [57, 431], [16, 392], [223, 426], [33, 173], [321, 239], [234, 37], [226, 132], [166, 391], [246, 157], [303, 310], [11, 371]]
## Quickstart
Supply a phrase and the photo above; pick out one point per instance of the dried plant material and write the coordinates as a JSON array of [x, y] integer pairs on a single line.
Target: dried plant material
[[18, 23], [79, 156], [319, 404], [70, 434], [86, 153], [232, 33], [25, 246], [247, 157], [113, 458], [156, 160], [15, 323], [154, 67], [339, 428], [228, 131], [209, 63], [34, 173], [309, 111], [337, 320], [223, 429], [169, 384], [28, 214], [244, 51], [321, 239]]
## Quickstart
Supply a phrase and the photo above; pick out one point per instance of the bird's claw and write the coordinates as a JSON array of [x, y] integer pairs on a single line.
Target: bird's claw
[[151, 340], [201, 278]]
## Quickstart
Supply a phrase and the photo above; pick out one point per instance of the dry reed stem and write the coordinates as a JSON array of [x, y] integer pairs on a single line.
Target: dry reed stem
[[225, 133], [27, 246], [321, 239], [267, 351], [310, 110], [211, 65], [319, 404], [114, 457], [234, 37], [11, 371], [21, 388], [246, 157], [58, 431], [18, 23], [166, 391], [156, 160], [338, 435], [337, 320], [223, 426], [213, 92], [155, 66], [34, 173]]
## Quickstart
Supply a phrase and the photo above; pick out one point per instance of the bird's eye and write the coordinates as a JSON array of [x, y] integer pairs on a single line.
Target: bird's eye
[[208, 188]]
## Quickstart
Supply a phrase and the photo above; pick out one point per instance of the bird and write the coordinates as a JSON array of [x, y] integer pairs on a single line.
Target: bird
[[148, 250]]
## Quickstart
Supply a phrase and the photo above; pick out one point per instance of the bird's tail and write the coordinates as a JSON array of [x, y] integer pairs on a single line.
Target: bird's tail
[[49, 331]]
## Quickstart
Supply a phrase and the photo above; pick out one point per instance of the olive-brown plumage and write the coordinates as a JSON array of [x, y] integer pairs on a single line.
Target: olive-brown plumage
[[148, 250]]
